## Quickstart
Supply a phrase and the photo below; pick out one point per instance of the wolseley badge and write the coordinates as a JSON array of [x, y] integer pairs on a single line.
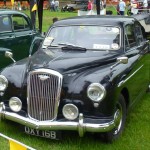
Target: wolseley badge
[[43, 77]]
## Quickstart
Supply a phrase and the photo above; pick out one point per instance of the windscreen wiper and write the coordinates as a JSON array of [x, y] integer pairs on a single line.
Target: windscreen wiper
[[69, 46]]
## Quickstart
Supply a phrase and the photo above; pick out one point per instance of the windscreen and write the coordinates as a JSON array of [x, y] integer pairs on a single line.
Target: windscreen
[[89, 37]]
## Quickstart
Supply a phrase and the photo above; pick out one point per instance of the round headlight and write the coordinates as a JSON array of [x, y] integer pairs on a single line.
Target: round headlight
[[3, 83], [15, 104], [70, 111], [96, 92]]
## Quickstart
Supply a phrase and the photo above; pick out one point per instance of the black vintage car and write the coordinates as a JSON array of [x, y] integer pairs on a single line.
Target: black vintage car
[[16, 33], [88, 73]]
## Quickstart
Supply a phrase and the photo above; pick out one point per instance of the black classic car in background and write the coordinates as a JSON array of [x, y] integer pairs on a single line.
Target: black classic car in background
[[88, 73], [16, 33]]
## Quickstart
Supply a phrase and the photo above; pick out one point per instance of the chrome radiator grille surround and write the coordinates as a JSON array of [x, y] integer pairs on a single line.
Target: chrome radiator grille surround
[[43, 94]]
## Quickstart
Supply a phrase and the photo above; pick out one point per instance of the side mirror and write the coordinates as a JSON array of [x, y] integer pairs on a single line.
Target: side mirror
[[35, 44], [47, 42], [122, 60], [9, 55]]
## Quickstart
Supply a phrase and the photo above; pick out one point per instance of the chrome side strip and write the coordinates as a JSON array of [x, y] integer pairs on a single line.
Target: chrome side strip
[[123, 81]]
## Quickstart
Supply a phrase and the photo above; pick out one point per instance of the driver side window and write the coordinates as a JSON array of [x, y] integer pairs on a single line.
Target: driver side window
[[138, 33], [19, 23], [130, 36]]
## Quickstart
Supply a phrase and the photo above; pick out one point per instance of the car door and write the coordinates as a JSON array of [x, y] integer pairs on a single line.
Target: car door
[[23, 36], [136, 47], [6, 38]]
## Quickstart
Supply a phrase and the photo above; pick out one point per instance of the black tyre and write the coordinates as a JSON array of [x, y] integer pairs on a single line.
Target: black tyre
[[121, 114], [70, 9], [63, 10]]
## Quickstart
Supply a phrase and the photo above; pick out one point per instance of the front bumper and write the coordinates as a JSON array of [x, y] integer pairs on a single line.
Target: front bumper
[[79, 126]]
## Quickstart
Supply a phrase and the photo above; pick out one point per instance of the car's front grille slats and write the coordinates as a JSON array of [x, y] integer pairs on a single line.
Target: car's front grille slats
[[44, 87]]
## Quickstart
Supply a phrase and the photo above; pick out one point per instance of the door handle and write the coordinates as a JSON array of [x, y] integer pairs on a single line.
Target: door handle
[[11, 36], [141, 45]]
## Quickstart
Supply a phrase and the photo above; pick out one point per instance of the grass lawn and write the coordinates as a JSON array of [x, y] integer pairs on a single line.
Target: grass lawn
[[48, 16], [136, 135]]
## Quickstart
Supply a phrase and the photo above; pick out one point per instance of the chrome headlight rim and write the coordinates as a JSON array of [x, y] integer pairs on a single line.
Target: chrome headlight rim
[[5, 81], [76, 109], [16, 100], [96, 86]]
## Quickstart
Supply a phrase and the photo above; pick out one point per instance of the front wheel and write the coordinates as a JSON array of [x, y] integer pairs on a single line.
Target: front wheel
[[120, 113], [63, 10]]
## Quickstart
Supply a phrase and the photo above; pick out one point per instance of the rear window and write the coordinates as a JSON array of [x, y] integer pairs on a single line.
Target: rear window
[[5, 24]]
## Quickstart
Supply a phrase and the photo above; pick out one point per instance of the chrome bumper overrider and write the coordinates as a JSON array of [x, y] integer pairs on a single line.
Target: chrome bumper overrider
[[79, 126]]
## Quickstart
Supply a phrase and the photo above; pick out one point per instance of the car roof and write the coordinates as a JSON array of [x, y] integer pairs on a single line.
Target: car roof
[[142, 16], [11, 12], [95, 20]]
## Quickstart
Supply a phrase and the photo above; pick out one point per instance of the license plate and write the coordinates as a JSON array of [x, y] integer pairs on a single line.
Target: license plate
[[56, 135]]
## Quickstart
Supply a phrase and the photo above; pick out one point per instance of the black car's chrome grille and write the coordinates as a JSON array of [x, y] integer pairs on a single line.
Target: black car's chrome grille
[[44, 87]]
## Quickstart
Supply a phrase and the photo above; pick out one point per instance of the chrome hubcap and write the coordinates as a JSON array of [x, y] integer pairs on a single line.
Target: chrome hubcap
[[118, 120]]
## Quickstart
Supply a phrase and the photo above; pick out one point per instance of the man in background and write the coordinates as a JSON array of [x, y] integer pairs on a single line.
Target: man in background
[[145, 5], [4, 3], [56, 5], [122, 7], [55, 19]]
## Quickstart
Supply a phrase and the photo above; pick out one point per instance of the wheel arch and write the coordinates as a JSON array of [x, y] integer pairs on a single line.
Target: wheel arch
[[125, 94]]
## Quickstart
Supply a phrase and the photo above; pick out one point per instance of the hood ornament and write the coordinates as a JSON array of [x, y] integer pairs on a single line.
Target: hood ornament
[[43, 77]]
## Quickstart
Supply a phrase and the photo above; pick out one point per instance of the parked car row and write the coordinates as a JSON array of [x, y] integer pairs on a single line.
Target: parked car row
[[85, 77]]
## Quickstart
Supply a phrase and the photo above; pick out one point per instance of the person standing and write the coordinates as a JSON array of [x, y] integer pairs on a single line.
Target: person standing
[[52, 5], [89, 7], [122, 7], [145, 5], [19, 5], [55, 19], [117, 8], [101, 4], [102, 12], [56, 5], [4, 3], [134, 8]]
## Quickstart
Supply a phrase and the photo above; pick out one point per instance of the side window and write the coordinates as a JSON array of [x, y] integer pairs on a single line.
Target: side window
[[5, 24], [20, 23], [138, 33], [129, 29], [127, 46]]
